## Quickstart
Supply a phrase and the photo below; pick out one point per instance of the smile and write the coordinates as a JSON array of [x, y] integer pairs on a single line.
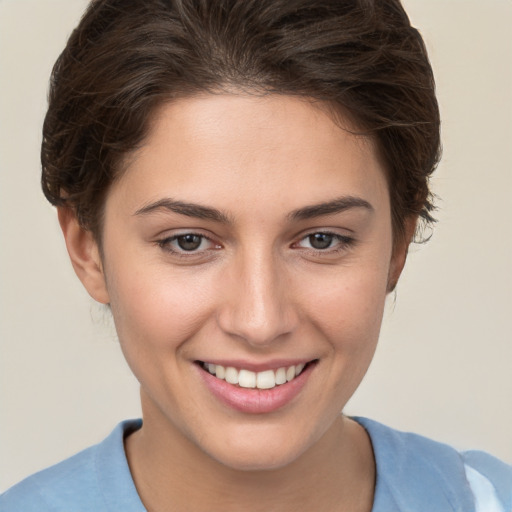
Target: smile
[[267, 379], [256, 392]]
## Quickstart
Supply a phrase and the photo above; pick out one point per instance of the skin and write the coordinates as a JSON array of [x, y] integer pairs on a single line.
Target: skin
[[254, 290]]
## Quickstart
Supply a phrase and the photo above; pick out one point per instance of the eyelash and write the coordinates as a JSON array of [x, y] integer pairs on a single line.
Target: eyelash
[[165, 244], [343, 243]]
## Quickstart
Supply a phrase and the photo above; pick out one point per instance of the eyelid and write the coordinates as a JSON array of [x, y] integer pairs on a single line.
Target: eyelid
[[164, 242], [344, 241]]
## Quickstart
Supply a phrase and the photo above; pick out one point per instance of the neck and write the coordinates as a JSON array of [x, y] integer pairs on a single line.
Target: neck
[[171, 473]]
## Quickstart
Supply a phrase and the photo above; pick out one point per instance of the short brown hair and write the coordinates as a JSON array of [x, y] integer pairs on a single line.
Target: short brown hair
[[127, 57]]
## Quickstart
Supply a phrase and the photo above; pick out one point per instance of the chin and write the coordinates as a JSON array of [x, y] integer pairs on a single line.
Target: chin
[[260, 451], [257, 460]]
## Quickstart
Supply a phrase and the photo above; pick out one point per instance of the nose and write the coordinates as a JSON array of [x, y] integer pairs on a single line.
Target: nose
[[257, 303]]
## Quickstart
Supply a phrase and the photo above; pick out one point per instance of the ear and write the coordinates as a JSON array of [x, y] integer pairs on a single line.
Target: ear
[[85, 255], [400, 251]]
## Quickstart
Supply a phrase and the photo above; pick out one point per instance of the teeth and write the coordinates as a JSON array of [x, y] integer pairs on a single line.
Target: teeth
[[231, 375], [220, 371], [266, 380], [261, 380], [246, 379], [281, 376]]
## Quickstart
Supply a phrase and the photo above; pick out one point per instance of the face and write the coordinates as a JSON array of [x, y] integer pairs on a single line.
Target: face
[[249, 240]]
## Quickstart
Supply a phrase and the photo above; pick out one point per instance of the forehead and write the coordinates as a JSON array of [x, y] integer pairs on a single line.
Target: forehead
[[258, 149]]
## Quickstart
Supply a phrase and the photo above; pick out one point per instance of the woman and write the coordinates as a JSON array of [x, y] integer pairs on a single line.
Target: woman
[[240, 182]]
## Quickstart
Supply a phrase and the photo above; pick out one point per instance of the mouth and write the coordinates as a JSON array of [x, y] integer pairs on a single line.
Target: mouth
[[255, 388], [245, 378]]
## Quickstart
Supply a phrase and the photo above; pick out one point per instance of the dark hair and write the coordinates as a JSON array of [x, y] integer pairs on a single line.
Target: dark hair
[[127, 57]]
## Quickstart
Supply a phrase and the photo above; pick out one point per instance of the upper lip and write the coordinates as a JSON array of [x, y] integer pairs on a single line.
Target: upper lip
[[273, 364]]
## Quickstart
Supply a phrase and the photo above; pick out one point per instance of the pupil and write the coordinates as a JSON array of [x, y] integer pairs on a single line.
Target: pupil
[[189, 242], [320, 240]]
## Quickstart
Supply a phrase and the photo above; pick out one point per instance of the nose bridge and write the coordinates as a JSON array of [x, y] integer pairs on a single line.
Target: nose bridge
[[257, 306]]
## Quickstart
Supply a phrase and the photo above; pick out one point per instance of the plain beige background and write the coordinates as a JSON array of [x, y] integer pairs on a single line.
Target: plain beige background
[[443, 367]]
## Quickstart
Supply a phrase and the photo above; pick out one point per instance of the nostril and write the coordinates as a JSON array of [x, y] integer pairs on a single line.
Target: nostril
[[255, 307]]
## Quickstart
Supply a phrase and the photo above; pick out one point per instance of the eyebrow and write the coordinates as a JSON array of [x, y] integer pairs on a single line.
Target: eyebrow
[[183, 208], [338, 205], [198, 211]]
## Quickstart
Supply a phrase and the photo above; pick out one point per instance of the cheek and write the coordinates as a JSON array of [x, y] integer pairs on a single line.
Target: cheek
[[348, 315], [349, 307], [155, 309]]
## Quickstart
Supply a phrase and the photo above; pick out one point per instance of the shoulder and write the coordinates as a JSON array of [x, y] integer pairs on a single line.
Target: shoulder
[[55, 487], [84, 482], [490, 480], [417, 473]]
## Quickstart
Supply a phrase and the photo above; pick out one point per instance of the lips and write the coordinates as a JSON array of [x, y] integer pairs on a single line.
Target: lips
[[256, 392]]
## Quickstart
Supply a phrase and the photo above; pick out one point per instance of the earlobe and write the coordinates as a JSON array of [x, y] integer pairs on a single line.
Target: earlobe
[[85, 255], [400, 253]]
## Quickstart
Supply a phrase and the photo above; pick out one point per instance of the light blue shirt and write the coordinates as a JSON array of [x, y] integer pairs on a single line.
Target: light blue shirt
[[414, 474]]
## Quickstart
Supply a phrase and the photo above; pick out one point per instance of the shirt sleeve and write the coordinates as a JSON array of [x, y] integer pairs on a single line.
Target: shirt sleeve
[[490, 481]]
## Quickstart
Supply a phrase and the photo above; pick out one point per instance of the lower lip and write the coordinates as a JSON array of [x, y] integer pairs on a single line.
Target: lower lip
[[256, 401]]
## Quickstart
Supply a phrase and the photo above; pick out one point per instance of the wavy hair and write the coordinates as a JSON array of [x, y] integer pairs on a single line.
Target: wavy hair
[[127, 57]]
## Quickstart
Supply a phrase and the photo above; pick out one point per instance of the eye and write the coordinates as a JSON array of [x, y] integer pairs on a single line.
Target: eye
[[191, 243], [325, 242], [320, 240]]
